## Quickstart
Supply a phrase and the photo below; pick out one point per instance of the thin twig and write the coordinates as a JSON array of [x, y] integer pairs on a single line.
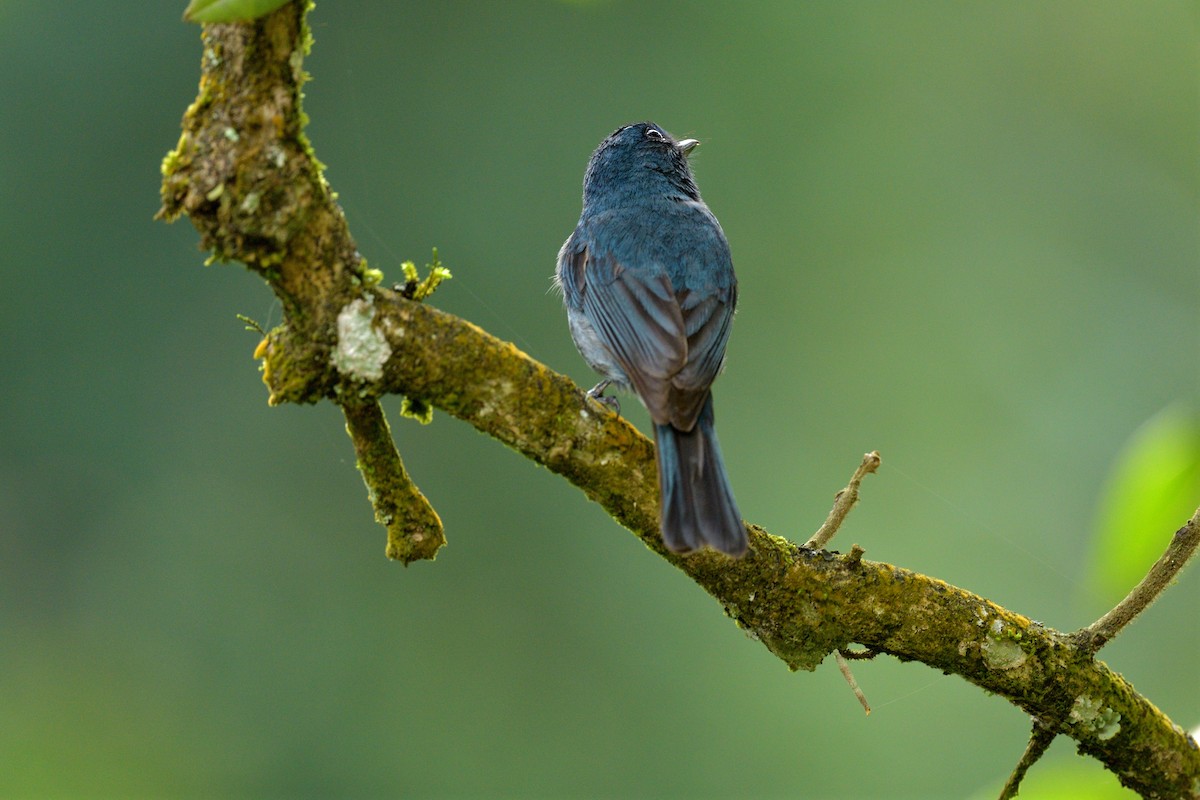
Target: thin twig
[[844, 666], [1039, 739], [844, 656], [1182, 547], [843, 501]]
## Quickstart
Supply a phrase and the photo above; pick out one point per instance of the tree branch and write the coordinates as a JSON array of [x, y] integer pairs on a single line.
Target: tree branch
[[1179, 551], [1039, 740], [414, 528], [246, 176]]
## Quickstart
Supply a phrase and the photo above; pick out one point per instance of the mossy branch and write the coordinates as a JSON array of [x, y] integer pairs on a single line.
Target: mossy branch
[[414, 528], [247, 178]]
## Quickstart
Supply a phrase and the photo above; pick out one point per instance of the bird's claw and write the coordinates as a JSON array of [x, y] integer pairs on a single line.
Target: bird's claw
[[597, 393]]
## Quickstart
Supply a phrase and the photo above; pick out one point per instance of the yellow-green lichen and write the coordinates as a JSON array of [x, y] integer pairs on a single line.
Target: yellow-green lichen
[[371, 277], [419, 410], [175, 160]]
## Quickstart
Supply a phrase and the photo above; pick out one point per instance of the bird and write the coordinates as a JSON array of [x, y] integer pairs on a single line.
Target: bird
[[649, 288]]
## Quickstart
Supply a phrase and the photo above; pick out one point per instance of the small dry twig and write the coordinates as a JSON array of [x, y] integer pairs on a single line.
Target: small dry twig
[[843, 501], [844, 666], [1182, 547]]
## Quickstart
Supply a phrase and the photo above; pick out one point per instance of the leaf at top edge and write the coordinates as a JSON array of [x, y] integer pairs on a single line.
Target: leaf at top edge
[[208, 11]]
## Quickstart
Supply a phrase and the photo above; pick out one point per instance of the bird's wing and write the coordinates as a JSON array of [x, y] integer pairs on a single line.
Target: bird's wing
[[706, 316], [669, 344], [638, 319]]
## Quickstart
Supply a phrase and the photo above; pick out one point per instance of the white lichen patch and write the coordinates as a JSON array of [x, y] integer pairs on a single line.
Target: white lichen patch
[[499, 389], [1002, 653], [361, 349], [275, 154], [1000, 649], [1104, 722], [391, 326]]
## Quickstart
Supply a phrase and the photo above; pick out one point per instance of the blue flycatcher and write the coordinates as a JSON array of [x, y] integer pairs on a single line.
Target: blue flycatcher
[[650, 291]]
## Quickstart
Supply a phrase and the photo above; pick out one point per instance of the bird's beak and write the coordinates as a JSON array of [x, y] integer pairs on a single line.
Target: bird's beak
[[688, 145]]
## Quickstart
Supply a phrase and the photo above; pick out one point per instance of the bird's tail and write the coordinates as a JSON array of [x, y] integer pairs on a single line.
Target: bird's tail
[[697, 502]]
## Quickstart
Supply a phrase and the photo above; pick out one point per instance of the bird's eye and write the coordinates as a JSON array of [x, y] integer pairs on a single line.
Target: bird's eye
[[655, 135]]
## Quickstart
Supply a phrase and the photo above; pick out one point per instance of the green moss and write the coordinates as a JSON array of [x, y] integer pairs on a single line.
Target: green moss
[[417, 288], [370, 277], [304, 47], [175, 160], [419, 410]]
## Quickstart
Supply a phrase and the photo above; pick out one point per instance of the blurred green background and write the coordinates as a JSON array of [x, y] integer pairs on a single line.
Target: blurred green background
[[966, 235]]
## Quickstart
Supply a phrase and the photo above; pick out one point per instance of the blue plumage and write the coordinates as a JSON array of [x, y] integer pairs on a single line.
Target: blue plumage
[[650, 291]]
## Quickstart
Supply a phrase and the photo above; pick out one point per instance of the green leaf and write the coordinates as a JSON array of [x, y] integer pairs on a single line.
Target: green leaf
[[229, 10], [1153, 488]]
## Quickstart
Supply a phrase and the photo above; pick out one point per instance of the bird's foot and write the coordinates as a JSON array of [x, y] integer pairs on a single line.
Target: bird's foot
[[597, 394]]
